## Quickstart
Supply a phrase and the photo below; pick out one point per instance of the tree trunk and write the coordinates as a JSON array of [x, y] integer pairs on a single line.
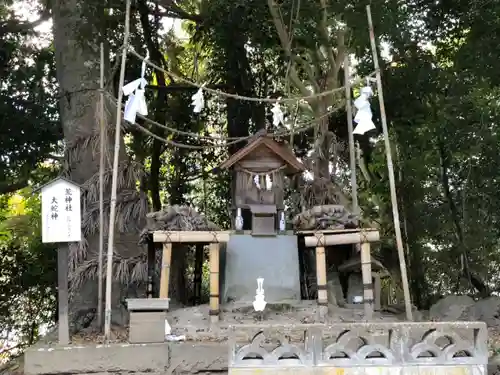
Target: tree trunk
[[160, 102], [473, 279], [77, 61]]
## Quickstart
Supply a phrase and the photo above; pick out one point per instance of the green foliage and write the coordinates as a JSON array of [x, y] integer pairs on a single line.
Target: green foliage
[[28, 275], [29, 130]]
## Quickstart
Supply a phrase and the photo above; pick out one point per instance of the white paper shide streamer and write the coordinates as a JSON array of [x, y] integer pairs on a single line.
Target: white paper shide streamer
[[363, 117], [278, 116], [136, 102], [198, 102]]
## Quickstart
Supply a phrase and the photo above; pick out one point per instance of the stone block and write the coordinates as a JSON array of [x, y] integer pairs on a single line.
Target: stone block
[[334, 289], [147, 327], [113, 358], [276, 259], [354, 287], [148, 304]]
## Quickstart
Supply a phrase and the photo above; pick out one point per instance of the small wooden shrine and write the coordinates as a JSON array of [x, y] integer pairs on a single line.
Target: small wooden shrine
[[258, 184], [260, 169]]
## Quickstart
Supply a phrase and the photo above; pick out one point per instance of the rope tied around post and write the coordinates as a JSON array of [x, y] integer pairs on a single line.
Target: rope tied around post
[[216, 237], [168, 234]]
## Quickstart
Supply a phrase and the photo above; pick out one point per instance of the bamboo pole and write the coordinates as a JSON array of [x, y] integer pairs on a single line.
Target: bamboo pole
[[165, 270], [191, 237], [114, 181], [101, 193], [214, 282], [341, 239], [390, 167], [366, 273], [352, 146], [321, 278]]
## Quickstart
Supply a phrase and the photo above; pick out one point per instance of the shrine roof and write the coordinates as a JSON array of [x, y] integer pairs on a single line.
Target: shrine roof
[[282, 150]]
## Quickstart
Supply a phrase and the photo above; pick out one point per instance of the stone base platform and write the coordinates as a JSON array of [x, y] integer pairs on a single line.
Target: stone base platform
[[133, 359], [458, 348]]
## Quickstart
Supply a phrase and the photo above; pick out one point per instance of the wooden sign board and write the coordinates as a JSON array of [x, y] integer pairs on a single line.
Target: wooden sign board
[[61, 213]]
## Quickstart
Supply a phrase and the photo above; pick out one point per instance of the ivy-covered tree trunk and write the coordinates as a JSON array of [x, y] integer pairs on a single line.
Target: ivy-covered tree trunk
[[78, 73]]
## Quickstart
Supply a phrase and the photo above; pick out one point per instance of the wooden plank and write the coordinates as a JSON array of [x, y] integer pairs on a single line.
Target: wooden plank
[[191, 236], [62, 282], [341, 238], [165, 270], [214, 282]]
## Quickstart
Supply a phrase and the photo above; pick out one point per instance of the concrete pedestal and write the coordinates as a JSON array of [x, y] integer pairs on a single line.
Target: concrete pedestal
[[147, 327], [274, 258]]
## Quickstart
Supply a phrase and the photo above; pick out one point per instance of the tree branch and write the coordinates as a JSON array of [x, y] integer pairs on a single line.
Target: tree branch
[[13, 26], [323, 33], [175, 11], [335, 61], [285, 43], [9, 187]]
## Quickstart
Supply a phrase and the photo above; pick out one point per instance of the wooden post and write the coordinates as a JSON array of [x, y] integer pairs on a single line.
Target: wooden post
[[321, 276], [198, 273], [101, 193], [377, 290], [214, 282], [62, 282], [366, 271], [151, 265], [114, 180], [350, 129], [165, 269], [390, 168]]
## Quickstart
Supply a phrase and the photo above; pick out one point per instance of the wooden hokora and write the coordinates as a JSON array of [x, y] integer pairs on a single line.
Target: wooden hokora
[[258, 186]]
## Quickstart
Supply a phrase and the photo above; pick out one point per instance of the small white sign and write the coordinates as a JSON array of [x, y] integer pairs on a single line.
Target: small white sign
[[61, 214]]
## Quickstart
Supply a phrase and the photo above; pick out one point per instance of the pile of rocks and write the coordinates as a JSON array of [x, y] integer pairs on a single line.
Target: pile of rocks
[[178, 218], [325, 217]]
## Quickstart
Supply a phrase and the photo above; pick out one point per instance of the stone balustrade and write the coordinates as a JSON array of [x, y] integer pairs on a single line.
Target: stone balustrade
[[361, 348]]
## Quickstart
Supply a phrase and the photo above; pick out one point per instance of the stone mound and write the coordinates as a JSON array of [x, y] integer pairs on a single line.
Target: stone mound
[[466, 308]]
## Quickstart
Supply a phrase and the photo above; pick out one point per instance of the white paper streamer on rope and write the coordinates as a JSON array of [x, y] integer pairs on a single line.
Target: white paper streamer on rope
[[278, 116], [136, 103], [198, 102], [363, 117]]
